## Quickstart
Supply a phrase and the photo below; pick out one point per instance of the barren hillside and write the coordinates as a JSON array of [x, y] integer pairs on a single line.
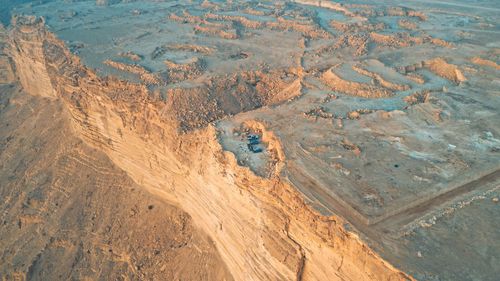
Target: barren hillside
[[282, 140]]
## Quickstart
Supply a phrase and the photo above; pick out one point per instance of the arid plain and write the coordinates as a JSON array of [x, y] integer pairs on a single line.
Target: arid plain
[[250, 140]]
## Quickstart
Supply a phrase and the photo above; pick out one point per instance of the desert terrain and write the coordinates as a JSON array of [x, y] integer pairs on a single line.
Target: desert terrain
[[250, 140]]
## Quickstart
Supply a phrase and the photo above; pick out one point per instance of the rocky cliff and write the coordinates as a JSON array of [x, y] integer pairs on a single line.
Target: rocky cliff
[[262, 229], [68, 212]]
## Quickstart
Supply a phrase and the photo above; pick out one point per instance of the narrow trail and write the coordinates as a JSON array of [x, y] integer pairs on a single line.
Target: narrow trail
[[372, 229], [413, 212]]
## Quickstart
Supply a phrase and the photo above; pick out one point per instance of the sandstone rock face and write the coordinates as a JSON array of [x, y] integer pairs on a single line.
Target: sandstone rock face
[[68, 212], [261, 228], [30, 59]]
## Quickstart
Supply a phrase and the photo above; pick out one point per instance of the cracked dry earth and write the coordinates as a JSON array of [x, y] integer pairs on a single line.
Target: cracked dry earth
[[124, 140]]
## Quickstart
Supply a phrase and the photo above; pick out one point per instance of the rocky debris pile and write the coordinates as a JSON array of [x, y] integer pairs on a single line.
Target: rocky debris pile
[[336, 83], [485, 62], [145, 75], [131, 56], [196, 107], [418, 97], [177, 72], [439, 66], [318, 112]]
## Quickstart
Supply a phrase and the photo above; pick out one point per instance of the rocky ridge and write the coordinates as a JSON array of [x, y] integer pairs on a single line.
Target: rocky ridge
[[261, 228]]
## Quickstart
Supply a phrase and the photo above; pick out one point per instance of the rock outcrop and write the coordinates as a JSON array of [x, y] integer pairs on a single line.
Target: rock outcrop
[[262, 228]]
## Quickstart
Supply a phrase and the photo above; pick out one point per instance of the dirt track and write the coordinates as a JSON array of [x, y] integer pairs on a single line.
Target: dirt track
[[412, 213]]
